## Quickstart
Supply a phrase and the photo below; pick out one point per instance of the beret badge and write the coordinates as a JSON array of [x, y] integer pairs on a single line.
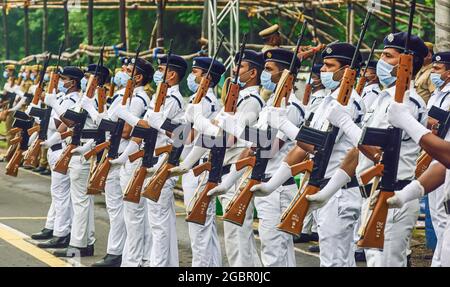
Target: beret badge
[[390, 37], [438, 58]]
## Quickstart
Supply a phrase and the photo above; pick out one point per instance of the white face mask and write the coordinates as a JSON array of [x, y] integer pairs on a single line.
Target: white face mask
[[266, 81], [327, 80], [384, 73], [158, 77], [437, 80], [192, 85], [83, 84]]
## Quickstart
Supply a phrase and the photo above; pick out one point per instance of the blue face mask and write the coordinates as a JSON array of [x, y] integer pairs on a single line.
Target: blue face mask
[[384, 73], [436, 79], [46, 78], [124, 78], [117, 80], [83, 84], [266, 81], [327, 80], [5, 74], [32, 77], [24, 75], [240, 83], [192, 85], [158, 77], [61, 87]]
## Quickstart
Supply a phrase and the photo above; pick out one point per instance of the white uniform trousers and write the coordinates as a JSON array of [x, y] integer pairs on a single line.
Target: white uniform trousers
[[438, 219], [240, 244], [136, 251], [205, 243], [114, 206], [445, 245], [60, 191], [399, 225], [277, 247], [83, 225], [336, 225], [50, 219], [162, 219]]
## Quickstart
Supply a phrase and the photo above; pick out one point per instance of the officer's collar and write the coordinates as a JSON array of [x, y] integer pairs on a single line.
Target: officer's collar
[[249, 90], [139, 89], [373, 86], [172, 89], [446, 88]]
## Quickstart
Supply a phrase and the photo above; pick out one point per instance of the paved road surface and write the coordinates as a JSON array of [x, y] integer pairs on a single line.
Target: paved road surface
[[24, 202]]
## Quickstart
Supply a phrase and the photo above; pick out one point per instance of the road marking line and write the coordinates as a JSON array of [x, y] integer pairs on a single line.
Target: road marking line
[[17, 239], [23, 218]]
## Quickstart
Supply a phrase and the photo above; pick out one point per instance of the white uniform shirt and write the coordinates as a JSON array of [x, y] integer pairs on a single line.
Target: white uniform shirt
[[370, 94], [67, 102], [440, 98], [447, 173], [296, 115], [409, 150], [316, 98], [355, 108]]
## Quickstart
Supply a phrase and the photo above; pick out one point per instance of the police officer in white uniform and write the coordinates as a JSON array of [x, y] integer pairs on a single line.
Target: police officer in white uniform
[[372, 88], [277, 247], [137, 245], [240, 245]]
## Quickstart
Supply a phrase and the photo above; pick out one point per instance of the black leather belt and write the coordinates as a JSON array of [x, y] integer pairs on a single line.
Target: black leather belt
[[365, 189], [56, 147], [447, 206], [353, 183], [226, 169], [290, 181]]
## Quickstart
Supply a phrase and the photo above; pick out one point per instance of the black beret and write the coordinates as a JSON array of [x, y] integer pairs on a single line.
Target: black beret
[[144, 67], [398, 40], [343, 51], [102, 70], [124, 60], [442, 57], [203, 63], [316, 68], [73, 72], [175, 61], [281, 56], [251, 56]]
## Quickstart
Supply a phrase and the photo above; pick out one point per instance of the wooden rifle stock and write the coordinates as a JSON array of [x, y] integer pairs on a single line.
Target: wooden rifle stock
[[66, 134], [198, 212], [62, 165], [134, 188], [366, 176], [111, 90], [32, 155], [53, 84], [15, 140], [14, 131], [12, 168], [307, 94], [237, 208], [12, 149], [248, 161], [153, 189], [91, 86], [374, 232], [232, 97], [304, 166], [360, 85], [199, 169], [163, 149], [34, 129], [404, 73], [101, 94], [423, 162], [98, 148], [347, 83], [37, 95], [137, 155], [292, 219], [98, 179]]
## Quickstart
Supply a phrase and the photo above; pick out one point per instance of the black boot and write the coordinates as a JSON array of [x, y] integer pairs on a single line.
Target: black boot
[[55, 242], [43, 234], [109, 261], [303, 238], [314, 237], [73, 251], [45, 172], [314, 248], [39, 169]]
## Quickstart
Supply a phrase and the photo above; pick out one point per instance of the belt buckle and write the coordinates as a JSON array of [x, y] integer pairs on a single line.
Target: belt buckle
[[447, 206]]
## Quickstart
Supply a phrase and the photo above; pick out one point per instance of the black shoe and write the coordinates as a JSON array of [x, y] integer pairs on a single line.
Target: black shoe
[[39, 169], [109, 261], [314, 248], [28, 167], [360, 256], [55, 242], [73, 251], [46, 172], [43, 234], [314, 237], [303, 238], [408, 261]]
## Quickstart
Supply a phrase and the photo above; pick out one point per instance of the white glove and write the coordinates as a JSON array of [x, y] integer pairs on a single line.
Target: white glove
[[282, 174], [277, 118], [336, 182], [193, 110], [88, 104], [18, 91], [194, 155], [81, 150], [230, 124], [99, 118], [229, 180], [156, 119], [32, 138], [132, 147], [339, 116], [51, 99], [204, 126], [128, 117], [399, 115], [412, 191], [54, 139]]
